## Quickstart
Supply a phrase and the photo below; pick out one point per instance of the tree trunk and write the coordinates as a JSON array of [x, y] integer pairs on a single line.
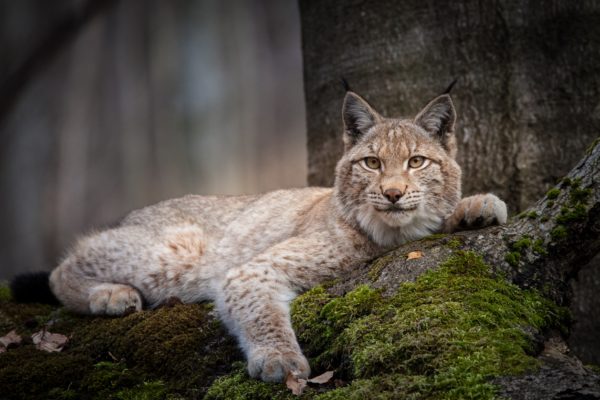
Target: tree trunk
[[528, 81]]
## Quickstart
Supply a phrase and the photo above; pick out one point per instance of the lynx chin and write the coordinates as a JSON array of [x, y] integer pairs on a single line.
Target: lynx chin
[[397, 181]]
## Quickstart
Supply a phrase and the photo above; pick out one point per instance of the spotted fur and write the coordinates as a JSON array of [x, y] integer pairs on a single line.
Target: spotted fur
[[397, 181]]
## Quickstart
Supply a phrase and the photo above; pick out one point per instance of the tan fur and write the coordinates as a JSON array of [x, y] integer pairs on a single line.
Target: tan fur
[[252, 254]]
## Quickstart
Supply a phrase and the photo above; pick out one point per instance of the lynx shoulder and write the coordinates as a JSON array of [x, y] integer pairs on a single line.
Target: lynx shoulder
[[396, 181]]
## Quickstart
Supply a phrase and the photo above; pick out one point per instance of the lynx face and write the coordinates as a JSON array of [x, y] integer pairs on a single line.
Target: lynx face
[[398, 179]]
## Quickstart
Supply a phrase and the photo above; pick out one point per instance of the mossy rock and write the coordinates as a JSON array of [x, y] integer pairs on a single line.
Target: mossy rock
[[172, 352], [446, 335]]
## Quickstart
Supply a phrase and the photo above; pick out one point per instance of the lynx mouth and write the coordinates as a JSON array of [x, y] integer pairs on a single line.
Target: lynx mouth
[[396, 210]]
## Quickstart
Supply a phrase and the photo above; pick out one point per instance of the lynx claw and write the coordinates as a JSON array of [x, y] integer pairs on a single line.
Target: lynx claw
[[273, 365]]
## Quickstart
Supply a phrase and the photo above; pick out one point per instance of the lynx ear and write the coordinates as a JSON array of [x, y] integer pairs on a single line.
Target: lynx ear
[[358, 117], [438, 117]]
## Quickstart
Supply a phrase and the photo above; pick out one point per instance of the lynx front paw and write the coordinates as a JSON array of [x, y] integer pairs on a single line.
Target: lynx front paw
[[272, 365], [114, 299], [477, 211]]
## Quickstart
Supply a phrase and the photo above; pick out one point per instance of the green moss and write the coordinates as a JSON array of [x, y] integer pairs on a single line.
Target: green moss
[[181, 345], [435, 236], [559, 233], [378, 265], [553, 193], [592, 146], [513, 258], [454, 243], [550, 203], [595, 368], [522, 244], [532, 215], [569, 215], [107, 379], [334, 315], [442, 336], [566, 182], [172, 351], [306, 320], [518, 250], [238, 386], [538, 247], [154, 390], [544, 218], [573, 211], [5, 294], [25, 318], [28, 373], [579, 195]]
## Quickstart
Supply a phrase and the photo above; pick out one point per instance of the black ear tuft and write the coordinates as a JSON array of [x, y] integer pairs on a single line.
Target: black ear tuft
[[438, 117], [33, 287], [345, 84], [449, 88], [358, 117]]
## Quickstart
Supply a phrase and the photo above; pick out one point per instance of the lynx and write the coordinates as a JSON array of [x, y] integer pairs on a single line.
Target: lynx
[[397, 181]]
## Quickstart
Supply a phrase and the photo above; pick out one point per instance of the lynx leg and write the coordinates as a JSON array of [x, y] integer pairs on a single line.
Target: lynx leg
[[253, 302], [95, 276], [82, 294]]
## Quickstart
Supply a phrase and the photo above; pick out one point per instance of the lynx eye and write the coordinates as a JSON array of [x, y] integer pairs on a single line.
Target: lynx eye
[[416, 162], [372, 162]]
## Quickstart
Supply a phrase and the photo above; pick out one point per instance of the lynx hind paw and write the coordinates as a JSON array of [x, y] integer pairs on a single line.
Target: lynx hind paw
[[272, 365], [114, 299], [479, 211]]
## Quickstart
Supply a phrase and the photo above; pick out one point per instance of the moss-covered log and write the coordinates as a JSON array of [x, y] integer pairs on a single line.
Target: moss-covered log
[[479, 314]]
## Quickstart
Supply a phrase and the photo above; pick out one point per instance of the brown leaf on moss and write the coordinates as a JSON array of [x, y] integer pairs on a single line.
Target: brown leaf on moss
[[414, 254], [11, 339], [50, 342], [295, 384], [323, 378]]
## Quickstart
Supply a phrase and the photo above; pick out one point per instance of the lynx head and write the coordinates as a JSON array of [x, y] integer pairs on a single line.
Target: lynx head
[[398, 178]]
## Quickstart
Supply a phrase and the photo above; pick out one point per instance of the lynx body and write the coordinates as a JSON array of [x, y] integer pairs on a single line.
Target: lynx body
[[397, 181]]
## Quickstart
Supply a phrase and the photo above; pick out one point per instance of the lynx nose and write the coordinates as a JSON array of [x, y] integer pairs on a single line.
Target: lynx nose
[[393, 195]]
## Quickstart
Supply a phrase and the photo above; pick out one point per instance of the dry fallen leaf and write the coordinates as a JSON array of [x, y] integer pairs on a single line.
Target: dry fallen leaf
[[323, 378], [50, 342], [414, 254], [10, 339], [295, 384]]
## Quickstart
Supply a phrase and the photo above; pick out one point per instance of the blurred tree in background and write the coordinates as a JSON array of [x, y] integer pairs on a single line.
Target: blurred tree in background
[[107, 106]]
